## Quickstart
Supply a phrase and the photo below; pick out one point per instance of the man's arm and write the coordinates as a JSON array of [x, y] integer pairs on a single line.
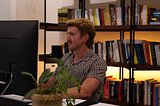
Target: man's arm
[[48, 84], [87, 88]]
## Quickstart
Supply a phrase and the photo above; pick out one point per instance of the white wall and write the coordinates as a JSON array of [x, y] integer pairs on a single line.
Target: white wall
[[4, 9]]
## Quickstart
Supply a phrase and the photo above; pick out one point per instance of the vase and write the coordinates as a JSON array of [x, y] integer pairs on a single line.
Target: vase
[[56, 99]]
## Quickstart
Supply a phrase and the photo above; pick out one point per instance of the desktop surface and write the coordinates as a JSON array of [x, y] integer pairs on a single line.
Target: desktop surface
[[8, 100]]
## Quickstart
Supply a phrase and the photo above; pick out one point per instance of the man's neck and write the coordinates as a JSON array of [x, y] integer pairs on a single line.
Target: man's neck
[[80, 54]]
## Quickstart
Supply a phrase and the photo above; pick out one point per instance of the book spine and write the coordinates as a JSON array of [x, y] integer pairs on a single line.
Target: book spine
[[102, 16], [119, 16], [107, 14], [147, 54], [119, 90], [150, 54], [107, 89], [149, 92], [146, 93], [153, 53], [156, 99], [125, 89], [95, 17]]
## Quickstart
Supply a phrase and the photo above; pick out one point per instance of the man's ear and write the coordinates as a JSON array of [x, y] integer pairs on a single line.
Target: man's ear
[[86, 37]]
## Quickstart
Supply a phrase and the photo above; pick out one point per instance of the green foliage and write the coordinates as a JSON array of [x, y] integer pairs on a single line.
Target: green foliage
[[60, 86]]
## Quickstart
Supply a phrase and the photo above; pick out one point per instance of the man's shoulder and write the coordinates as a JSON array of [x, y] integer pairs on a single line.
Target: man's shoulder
[[96, 57]]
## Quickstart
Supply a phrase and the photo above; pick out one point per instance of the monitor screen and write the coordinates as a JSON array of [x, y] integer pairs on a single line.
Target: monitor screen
[[18, 52]]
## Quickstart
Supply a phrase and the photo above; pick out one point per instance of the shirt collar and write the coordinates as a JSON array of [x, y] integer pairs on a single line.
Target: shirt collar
[[85, 58]]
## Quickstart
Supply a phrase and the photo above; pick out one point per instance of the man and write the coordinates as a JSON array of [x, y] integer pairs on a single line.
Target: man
[[86, 66]]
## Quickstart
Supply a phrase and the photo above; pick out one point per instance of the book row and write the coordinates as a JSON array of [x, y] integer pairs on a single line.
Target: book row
[[145, 92], [145, 52], [113, 15]]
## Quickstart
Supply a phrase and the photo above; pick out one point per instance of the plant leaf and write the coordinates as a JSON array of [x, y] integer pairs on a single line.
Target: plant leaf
[[62, 75], [76, 82], [58, 61], [30, 93], [45, 76], [27, 73]]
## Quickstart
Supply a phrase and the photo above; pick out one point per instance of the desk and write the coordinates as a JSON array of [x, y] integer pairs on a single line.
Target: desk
[[16, 100], [8, 102]]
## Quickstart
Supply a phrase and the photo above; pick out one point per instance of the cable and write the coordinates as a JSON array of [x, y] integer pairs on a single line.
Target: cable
[[7, 85]]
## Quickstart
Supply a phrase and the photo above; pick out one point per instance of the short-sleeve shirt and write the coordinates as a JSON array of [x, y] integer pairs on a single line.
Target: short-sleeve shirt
[[90, 66]]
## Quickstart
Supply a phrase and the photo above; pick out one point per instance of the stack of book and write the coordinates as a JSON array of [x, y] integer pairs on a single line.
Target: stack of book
[[113, 15], [145, 92], [145, 52]]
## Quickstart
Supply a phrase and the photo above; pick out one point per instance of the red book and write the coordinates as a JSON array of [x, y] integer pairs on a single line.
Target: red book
[[148, 56], [106, 89], [110, 76], [102, 16], [119, 90]]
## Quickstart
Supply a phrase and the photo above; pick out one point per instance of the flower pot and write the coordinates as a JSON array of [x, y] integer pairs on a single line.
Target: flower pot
[[37, 100]]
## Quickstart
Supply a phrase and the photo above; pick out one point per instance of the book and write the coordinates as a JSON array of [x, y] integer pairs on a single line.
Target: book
[[102, 16], [95, 17], [124, 52], [119, 15], [107, 89], [148, 54], [146, 94], [157, 51], [145, 14], [60, 16], [107, 14], [116, 50], [91, 16], [141, 50], [104, 51], [144, 43], [126, 16], [98, 16], [157, 89], [124, 89], [119, 90], [137, 53], [153, 54]]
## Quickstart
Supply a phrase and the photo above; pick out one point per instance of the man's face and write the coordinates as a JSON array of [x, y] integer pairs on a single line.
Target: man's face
[[75, 42]]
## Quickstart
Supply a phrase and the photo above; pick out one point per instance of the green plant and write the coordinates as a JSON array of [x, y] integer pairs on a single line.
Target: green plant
[[60, 86]]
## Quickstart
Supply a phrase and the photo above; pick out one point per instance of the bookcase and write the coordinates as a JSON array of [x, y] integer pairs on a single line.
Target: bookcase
[[120, 28]]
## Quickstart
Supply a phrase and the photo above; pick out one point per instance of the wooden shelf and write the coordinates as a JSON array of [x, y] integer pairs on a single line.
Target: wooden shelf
[[146, 67], [119, 102], [55, 27], [48, 58], [125, 65], [147, 27]]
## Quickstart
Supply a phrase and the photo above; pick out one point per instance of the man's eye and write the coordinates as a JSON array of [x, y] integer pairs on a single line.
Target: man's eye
[[71, 34]]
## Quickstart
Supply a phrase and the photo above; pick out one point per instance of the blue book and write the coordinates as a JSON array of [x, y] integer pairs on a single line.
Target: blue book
[[156, 99], [100, 16], [138, 53], [141, 53], [127, 50]]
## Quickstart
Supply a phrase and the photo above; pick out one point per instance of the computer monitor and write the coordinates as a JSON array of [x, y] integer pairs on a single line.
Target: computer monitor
[[18, 52]]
